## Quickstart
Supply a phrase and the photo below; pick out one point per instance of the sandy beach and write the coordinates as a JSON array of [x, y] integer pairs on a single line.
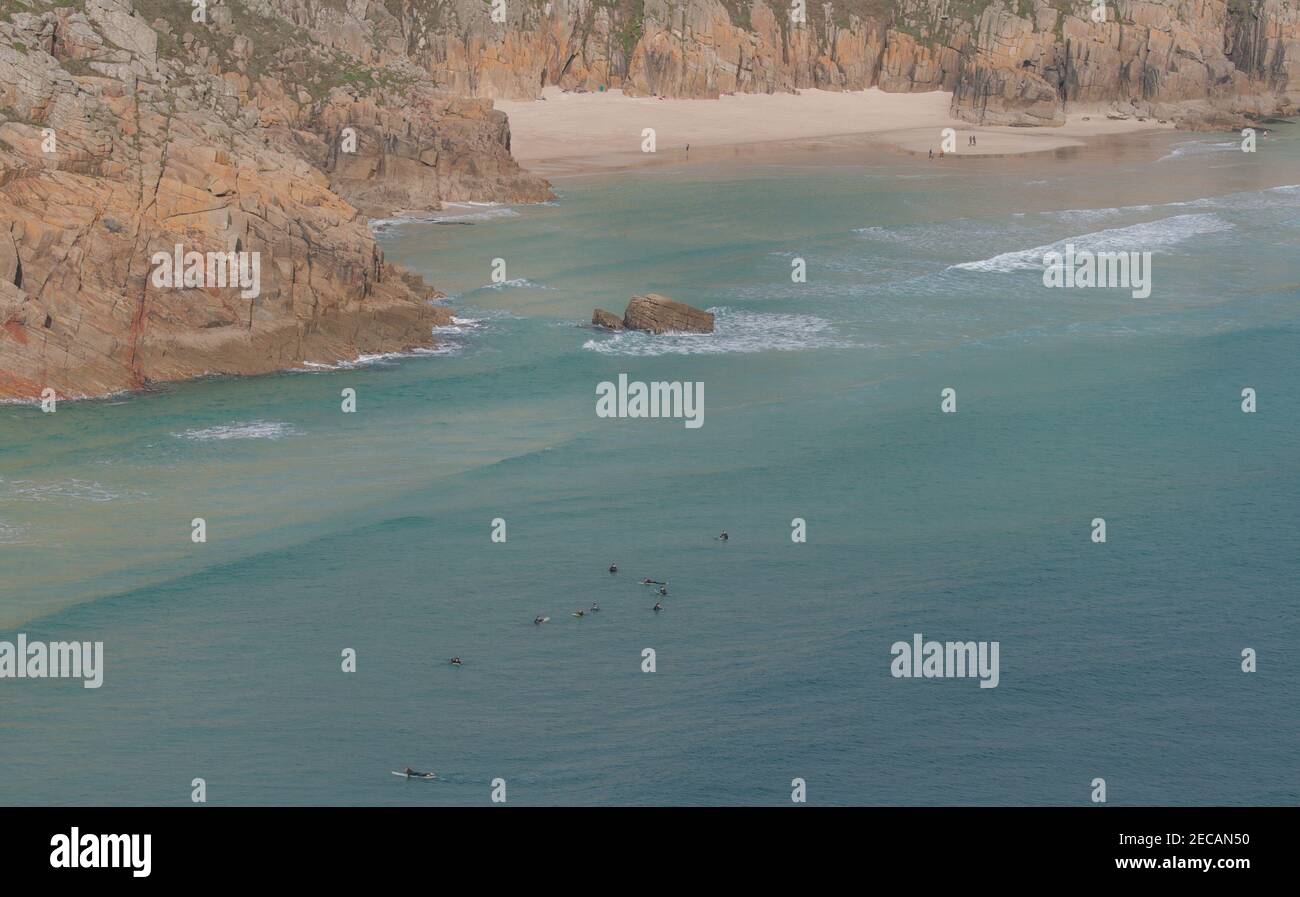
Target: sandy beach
[[568, 133]]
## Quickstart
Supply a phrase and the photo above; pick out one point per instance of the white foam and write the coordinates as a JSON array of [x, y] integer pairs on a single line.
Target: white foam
[[1135, 237], [253, 429], [518, 283], [450, 213], [459, 325], [734, 331], [1198, 148], [78, 490]]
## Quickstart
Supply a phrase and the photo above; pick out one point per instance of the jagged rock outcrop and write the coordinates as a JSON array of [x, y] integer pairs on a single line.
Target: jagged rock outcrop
[[1006, 61], [659, 314], [599, 318], [127, 130]]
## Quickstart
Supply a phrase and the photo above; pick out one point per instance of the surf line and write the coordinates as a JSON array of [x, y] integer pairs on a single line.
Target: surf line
[[55, 660]]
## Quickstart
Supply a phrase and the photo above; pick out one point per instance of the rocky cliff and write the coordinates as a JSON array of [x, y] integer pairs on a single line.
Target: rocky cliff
[[223, 133], [1006, 61], [232, 140]]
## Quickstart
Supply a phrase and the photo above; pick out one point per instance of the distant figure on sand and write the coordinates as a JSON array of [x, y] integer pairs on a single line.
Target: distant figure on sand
[[932, 154]]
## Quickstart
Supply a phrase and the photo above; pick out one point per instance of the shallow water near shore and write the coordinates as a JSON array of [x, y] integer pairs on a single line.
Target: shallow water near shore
[[371, 530]]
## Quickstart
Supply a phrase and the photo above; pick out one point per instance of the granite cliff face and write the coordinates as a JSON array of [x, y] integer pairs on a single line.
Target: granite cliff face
[[1006, 61], [129, 129]]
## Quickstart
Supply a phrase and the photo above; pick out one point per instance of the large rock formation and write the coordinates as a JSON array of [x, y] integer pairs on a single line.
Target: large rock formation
[[129, 130], [654, 313], [1006, 61], [659, 314]]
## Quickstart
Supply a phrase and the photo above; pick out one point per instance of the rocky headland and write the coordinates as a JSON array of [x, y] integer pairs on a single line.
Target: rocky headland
[[127, 129]]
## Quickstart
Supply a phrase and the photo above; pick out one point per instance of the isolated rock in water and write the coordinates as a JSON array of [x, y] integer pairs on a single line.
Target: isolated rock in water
[[599, 318], [659, 314]]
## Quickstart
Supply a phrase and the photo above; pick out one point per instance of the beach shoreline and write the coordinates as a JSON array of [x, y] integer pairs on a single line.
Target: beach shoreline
[[568, 134]]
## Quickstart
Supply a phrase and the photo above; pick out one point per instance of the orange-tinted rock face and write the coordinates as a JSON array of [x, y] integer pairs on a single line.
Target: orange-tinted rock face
[[114, 153], [1006, 62], [659, 314]]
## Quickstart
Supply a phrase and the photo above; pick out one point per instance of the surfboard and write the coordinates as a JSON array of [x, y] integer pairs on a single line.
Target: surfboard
[[427, 775]]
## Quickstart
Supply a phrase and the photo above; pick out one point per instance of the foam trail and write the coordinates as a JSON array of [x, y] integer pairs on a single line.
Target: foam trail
[[1135, 237]]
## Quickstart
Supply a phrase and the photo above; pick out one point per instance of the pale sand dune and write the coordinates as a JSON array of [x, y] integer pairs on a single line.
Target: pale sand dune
[[571, 132]]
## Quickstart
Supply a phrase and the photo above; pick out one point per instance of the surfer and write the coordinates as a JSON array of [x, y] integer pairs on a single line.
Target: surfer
[[723, 537], [651, 582], [595, 606], [455, 661], [539, 619], [658, 607], [408, 772], [663, 589], [613, 568], [579, 613]]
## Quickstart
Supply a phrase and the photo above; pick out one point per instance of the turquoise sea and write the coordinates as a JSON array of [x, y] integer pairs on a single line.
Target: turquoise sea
[[371, 530]]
